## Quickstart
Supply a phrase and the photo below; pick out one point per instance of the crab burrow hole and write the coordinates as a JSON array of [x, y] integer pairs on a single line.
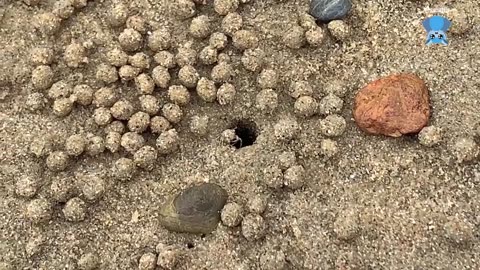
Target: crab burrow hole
[[246, 132]]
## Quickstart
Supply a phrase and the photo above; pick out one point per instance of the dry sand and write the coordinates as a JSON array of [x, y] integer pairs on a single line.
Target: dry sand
[[379, 203]]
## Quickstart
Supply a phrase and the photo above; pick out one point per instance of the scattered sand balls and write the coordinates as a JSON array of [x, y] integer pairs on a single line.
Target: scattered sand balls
[[200, 27], [102, 116], [330, 104], [223, 7], [27, 186], [459, 231], [112, 141], [294, 177], [430, 136], [122, 110], [305, 106], [137, 23], [159, 124], [199, 125], [106, 73], [130, 40], [47, 23], [149, 104], [315, 36], [206, 90], [117, 57], [75, 145], [218, 41], [268, 78], [273, 177], [83, 94], [167, 256], [139, 122], [267, 100], [253, 59], [145, 157], [128, 72], [42, 77], [123, 169], [179, 95], [336, 87], [338, 29], [286, 129], [167, 142], [222, 72], [95, 146], [257, 204], [60, 89], [208, 55], [88, 261], [145, 84], [115, 126], [346, 226], [184, 9], [333, 125], [105, 97], [245, 39], [61, 189], [328, 148], [465, 149], [41, 56], [41, 146], [186, 55], [75, 55], [132, 141], [273, 259], [148, 261], [57, 161], [226, 94], [287, 159], [93, 188], [295, 37], [39, 210], [231, 215], [160, 40], [140, 60], [75, 210], [232, 23], [161, 76], [165, 59], [35, 102], [253, 227], [172, 112], [300, 88], [118, 15], [307, 21], [188, 76]]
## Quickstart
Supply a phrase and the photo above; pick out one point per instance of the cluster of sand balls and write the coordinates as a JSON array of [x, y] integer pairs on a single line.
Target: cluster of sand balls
[[165, 256], [286, 173]]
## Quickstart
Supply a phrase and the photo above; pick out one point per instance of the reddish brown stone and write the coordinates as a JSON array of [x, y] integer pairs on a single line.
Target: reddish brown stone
[[392, 106]]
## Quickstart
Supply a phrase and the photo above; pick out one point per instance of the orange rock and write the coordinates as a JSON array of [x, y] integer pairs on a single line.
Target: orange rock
[[392, 106]]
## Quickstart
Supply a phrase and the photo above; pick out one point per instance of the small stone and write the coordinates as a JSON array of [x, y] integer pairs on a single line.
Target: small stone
[[430, 136], [93, 187], [140, 60], [139, 122], [57, 161], [339, 30], [268, 78], [75, 145], [130, 40], [75, 55], [117, 57], [294, 177], [253, 59], [330, 104], [200, 27], [257, 204], [226, 94], [132, 141], [295, 37], [253, 227], [27, 186], [165, 59], [145, 157], [327, 10], [267, 100], [186, 55], [184, 9], [328, 148], [218, 41], [145, 84], [222, 72], [83, 94], [465, 150], [106, 73], [333, 125], [42, 77], [159, 124], [148, 261], [122, 110], [206, 90], [231, 215], [75, 210], [188, 76], [195, 210], [300, 88], [167, 142], [199, 125], [306, 106], [286, 160], [118, 15], [245, 39], [161, 76], [346, 225], [160, 40], [123, 169], [315, 36], [149, 104], [208, 55], [167, 256], [39, 210], [172, 112], [232, 23], [405, 94], [459, 231], [102, 116], [88, 261], [95, 146], [286, 129], [128, 73], [223, 7], [112, 141]]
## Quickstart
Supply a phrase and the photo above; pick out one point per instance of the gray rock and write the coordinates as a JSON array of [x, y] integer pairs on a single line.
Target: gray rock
[[329, 10]]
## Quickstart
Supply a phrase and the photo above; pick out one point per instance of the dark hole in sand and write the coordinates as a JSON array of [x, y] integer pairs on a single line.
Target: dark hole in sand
[[190, 245], [246, 131]]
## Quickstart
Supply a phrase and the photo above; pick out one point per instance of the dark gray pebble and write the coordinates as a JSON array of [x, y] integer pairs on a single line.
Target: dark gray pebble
[[195, 210], [329, 10]]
